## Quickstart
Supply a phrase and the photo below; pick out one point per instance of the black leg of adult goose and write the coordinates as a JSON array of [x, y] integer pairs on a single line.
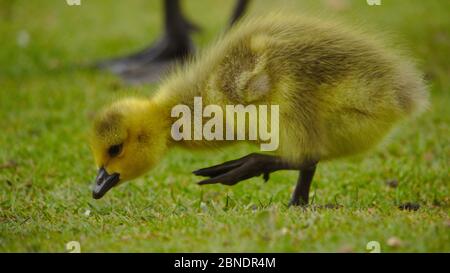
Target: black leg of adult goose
[[150, 64], [239, 10], [174, 44], [234, 171]]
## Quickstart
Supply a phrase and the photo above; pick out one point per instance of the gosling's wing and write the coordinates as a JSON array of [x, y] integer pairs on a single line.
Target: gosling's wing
[[254, 83], [243, 74]]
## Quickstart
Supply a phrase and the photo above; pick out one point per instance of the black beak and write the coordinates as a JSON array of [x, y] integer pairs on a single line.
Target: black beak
[[104, 182]]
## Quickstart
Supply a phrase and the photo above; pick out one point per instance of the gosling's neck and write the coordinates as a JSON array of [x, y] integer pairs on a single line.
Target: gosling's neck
[[163, 103]]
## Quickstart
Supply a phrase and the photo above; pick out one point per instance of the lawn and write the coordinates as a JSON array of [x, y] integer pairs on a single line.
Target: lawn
[[47, 100]]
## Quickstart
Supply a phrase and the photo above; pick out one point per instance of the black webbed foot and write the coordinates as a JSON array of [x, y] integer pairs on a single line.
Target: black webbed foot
[[234, 171], [152, 63], [154, 66]]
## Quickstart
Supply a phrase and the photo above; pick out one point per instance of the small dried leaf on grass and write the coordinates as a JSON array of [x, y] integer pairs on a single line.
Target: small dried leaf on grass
[[447, 223], [345, 249], [394, 242], [9, 164]]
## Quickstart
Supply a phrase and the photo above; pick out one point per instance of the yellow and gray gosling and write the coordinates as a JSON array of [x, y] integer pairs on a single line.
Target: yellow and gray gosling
[[339, 93]]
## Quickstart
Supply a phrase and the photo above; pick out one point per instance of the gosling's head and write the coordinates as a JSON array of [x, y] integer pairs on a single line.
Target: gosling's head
[[127, 140]]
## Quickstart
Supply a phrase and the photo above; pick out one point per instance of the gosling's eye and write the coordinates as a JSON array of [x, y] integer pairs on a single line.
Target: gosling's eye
[[115, 150]]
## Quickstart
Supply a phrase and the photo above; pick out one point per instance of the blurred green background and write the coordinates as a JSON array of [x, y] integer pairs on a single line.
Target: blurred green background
[[47, 100]]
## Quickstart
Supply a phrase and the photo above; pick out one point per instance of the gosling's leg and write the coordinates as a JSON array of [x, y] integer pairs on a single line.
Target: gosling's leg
[[300, 195], [232, 172]]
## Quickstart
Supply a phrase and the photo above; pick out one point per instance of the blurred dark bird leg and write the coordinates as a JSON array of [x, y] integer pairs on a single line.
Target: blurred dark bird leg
[[174, 44], [239, 10]]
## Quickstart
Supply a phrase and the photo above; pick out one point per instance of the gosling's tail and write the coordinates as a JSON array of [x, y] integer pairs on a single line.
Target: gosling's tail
[[412, 90]]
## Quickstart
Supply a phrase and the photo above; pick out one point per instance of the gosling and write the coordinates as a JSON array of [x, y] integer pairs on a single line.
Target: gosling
[[339, 93]]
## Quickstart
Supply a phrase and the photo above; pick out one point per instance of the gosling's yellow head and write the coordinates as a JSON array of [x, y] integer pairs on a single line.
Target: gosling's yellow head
[[127, 140]]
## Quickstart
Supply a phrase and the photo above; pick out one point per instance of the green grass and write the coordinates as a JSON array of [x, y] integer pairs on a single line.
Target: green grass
[[46, 168]]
